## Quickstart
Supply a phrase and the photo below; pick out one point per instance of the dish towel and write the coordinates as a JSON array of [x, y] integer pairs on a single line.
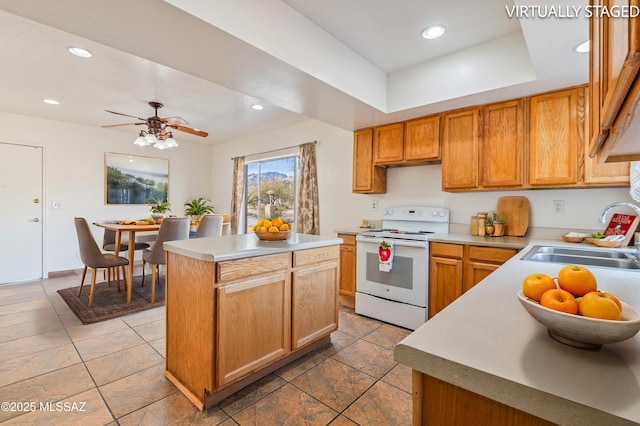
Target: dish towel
[[634, 180], [385, 254]]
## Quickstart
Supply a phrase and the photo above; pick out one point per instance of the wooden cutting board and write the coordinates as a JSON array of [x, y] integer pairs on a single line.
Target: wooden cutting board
[[516, 212]]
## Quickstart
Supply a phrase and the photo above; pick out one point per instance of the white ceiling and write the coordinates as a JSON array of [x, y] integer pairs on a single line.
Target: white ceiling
[[351, 63]]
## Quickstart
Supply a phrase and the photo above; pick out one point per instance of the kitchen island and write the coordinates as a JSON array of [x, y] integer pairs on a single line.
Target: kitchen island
[[485, 360], [239, 308]]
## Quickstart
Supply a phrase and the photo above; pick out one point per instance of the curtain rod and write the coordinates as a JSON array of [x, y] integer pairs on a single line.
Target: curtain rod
[[276, 150]]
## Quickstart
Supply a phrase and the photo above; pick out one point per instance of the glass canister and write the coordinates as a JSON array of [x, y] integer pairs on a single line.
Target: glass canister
[[482, 224], [474, 225]]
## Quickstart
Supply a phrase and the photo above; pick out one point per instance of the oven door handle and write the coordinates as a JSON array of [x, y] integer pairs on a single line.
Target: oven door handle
[[402, 243]]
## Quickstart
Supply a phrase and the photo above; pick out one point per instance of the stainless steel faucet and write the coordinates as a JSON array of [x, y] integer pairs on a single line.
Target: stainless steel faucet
[[619, 204]]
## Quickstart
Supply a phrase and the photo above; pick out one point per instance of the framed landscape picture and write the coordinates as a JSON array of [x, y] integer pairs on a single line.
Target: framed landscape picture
[[132, 179]]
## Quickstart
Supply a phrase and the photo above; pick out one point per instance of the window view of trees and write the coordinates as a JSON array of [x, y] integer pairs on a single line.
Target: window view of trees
[[271, 190]]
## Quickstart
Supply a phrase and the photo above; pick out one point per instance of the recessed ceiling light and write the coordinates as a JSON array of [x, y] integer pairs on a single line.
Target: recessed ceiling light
[[257, 107], [433, 31], [51, 101], [79, 51], [583, 47]]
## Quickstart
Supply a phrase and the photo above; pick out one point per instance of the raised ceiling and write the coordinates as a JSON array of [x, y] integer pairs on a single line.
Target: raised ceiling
[[351, 64]]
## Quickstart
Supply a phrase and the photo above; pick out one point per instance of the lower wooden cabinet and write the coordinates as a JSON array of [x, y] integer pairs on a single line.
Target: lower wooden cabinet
[[455, 268], [254, 323], [348, 270]]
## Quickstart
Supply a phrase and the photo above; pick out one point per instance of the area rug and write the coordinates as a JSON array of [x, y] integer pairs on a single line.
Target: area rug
[[108, 303]]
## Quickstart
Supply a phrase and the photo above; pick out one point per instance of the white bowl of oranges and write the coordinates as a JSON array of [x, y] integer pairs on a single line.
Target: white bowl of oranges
[[272, 229], [575, 311]]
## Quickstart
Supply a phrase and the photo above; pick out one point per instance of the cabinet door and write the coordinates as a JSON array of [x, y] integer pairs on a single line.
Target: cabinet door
[[445, 282], [254, 323], [348, 266], [502, 147], [388, 144], [460, 148], [474, 272], [422, 139], [315, 302], [367, 178], [555, 139]]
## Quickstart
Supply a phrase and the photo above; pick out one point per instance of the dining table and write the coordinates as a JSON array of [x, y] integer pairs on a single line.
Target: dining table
[[119, 228]]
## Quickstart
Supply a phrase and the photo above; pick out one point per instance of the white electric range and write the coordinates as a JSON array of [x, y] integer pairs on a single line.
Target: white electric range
[[399, 296]]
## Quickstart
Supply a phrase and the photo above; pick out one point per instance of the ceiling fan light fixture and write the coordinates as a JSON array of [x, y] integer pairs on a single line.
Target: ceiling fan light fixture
[[433, 31], [170, 142]]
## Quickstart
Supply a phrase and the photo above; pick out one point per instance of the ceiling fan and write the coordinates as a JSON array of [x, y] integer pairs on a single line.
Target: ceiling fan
[[158, 130]]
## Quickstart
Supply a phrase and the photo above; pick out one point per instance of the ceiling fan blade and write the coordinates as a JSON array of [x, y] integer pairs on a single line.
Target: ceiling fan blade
[[125, 124], [126, 115], [178, 121], [189, 130]]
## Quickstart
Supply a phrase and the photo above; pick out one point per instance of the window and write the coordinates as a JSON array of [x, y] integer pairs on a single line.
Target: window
[[272, 187]]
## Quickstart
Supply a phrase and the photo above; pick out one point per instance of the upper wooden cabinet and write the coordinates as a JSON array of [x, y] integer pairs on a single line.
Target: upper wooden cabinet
[[460, 148], [388, 144], [367, 178], [502, 148], [483, 148], [407, 143], [613, 82], [555, 137]]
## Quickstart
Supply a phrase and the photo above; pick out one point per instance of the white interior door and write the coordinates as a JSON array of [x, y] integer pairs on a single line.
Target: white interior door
[[21, 230]]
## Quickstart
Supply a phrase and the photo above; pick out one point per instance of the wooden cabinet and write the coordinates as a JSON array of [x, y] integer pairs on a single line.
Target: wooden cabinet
[[367, 177], [315, 295], [460, 150], [556, 138], [254, 323], [348, 270], [483, 148], [388, 144], [502, 150], [422, 140], [456, 268], [232, 322], [613, 80]]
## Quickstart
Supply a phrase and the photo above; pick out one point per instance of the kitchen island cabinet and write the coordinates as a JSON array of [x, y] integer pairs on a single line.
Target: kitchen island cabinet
[[484, 356], [238, 308]]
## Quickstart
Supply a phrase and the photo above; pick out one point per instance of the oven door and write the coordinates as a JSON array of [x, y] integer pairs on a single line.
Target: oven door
[[407, 280]]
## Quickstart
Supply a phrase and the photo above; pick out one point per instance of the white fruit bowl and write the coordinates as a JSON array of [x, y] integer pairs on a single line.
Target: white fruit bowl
[[584, 332]]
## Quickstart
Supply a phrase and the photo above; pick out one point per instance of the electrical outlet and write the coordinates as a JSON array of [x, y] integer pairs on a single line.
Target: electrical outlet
[[558, 206], [374, 205]]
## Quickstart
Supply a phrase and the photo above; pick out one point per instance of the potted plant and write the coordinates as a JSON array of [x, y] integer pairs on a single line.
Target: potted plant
[[499, 224], [489, 225], [197, 207], [158, 208]]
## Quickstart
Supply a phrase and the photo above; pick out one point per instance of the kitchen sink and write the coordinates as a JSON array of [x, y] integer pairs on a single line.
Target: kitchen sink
[[587, 257]]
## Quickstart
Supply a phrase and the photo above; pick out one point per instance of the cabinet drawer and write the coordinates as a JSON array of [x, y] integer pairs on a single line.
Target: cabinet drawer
[[232, 270], [316, 255], [447, 250], [348, 239], [491, 254]]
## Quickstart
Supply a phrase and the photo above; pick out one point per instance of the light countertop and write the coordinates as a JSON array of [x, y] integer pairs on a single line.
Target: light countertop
[[487, 343], [228, 247]]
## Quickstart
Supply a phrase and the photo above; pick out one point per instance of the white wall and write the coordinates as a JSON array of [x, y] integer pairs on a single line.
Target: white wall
[[340, 208], [74, 176]]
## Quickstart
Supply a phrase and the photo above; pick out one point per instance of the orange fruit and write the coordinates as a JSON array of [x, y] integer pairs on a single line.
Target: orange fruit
[[266, 223], [262, 229], [534, 286], [577, 280], [273, 229], [597, 304], [277, 222], [284, 227], [560, 300]]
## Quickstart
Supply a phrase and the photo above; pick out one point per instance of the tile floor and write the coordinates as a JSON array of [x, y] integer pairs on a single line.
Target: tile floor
[[57, 371]]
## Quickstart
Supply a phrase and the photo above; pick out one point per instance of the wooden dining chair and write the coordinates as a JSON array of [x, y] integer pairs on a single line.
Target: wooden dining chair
[[93, 258], [172, 229], [210, 226]]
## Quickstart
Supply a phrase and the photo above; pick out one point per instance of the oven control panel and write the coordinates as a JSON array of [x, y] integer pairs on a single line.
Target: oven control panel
[[422, 214]]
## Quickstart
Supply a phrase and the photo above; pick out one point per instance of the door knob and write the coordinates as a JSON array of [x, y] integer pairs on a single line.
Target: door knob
[[35, 219]]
